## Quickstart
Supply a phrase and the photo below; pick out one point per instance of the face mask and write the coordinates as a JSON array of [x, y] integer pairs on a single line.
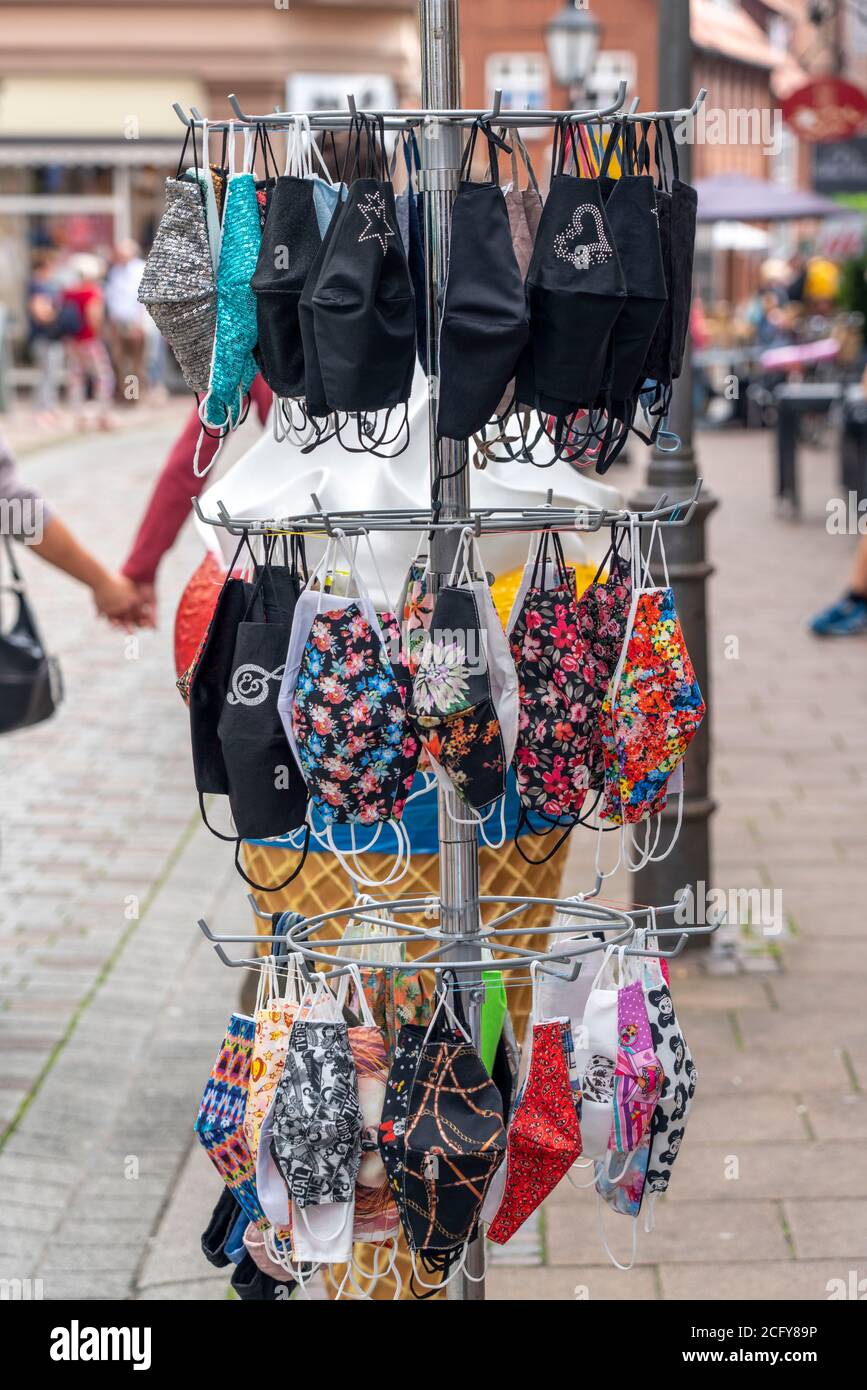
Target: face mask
[[326, 196], [678, 1089], [178, 287], [315, 400], [574, 277], [266, 790], [519, 204], [452, 1141], [676, 205], [376, 1218], [653, 707], [549, 766], [290, 242], [317, 1120], [220, 1122], [630, 205], [484, 322], [273, 1016], [603, 610], [465, 671], [544, 1137], [599, 1038], [413, 214], [233, 366], [348, 719], [363, 307], [638, 1074], [415, 610]]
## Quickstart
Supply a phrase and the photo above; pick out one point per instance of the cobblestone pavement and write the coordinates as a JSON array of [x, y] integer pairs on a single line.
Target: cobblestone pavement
[[111, 1006]]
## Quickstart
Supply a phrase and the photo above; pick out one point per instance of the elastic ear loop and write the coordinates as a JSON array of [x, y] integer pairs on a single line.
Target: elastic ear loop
[[502, 840], [459, 1267], [607, 1248], [401, 862]]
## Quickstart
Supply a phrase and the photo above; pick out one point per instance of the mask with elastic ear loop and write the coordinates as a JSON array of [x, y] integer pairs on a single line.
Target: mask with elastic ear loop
[[575, 277], [264, 187], [178, 284], [414, 211], [677, 203], [484, 322], [233, 366], [550, 769], [630, 205], [364, 310], [290, 242]]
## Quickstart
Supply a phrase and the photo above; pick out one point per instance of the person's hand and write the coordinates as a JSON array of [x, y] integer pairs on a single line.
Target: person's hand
[[117, 598], [147, 604]]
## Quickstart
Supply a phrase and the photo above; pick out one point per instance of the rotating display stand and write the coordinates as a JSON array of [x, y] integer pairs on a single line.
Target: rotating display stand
[[455, 942]]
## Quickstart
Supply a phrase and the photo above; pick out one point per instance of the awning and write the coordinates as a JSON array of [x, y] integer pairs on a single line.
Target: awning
[[735, 236], [112, 108], [738, 197]]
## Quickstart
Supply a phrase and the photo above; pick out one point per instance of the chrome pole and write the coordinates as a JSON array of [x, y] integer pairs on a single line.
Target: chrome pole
[[441, 145]]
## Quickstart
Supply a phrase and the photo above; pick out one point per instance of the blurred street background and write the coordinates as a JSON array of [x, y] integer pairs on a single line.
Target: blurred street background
[[111, 1004]]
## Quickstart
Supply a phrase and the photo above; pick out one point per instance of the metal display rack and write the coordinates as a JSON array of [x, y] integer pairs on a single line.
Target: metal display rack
[[456, 942]]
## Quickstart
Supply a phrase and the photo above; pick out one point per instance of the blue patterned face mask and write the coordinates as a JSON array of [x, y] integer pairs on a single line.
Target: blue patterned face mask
[[233, 366]]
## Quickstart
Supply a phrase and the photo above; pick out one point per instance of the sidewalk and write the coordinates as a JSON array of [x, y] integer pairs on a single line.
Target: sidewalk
[[111, 1006]]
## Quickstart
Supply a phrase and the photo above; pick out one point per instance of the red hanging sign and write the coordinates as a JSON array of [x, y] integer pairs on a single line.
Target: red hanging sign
[[826, 109]]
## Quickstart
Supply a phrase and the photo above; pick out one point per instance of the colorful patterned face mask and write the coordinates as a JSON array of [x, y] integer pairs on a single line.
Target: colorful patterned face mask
[[376, 1217], [441, 1137], [465, 693], [349, 720], [653, 707], [544, 1137], [638, 1074], [549, 759], [317, 1118], [415, 611], [220, 1123], [273, 1018], [603, 610]]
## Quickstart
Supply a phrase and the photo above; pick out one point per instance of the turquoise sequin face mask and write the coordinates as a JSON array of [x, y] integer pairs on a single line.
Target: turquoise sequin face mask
[[233, 366]]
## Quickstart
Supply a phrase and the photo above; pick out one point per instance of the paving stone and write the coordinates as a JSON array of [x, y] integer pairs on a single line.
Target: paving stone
[[195, 1290], [782, 1280], [572, 1283], [747, 1118], [838, 1115], [826, 1227]]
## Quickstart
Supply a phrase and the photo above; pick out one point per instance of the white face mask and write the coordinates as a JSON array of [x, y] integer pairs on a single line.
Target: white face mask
[[598, 1038]]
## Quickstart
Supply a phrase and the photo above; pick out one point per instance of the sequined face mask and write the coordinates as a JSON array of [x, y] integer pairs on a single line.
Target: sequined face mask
[[178, 287], [233, 366]]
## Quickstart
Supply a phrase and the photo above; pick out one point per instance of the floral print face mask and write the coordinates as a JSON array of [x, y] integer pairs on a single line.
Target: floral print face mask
[[550, 766], [349, 721], [452, 704], [653, 707]]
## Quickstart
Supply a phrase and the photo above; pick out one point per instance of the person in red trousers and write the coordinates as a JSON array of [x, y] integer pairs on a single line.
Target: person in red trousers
[[169, 505]]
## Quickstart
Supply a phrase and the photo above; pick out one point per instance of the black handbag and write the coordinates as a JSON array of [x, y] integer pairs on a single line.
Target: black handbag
[[30, 683]]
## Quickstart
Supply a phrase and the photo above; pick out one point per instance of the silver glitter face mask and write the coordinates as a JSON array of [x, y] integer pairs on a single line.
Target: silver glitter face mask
[[177, 287]]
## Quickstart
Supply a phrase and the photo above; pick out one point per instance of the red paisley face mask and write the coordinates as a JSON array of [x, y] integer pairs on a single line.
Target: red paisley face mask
[[544, 1138]]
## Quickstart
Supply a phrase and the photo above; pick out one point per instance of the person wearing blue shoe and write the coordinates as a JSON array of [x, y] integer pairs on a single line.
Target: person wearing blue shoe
[[848, 616]]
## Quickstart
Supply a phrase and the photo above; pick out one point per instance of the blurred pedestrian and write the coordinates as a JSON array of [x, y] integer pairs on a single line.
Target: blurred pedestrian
[[47, 325], [87, 357], [126, 321]]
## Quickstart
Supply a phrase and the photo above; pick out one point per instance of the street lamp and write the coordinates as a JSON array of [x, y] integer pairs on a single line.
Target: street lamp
[[572, 39]]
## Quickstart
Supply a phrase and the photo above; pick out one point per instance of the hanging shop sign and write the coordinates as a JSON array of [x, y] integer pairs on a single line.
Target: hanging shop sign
[[841, 166], [827, 109]]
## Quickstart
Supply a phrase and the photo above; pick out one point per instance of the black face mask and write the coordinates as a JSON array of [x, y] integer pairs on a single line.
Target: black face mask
[[364, 308], [316, 404], [290, 242], [459, 725], [485, 323], [454, 1141], [415, 241], [576, 293], [630, 205], [677, 214], [266, 791], [209, 684]]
